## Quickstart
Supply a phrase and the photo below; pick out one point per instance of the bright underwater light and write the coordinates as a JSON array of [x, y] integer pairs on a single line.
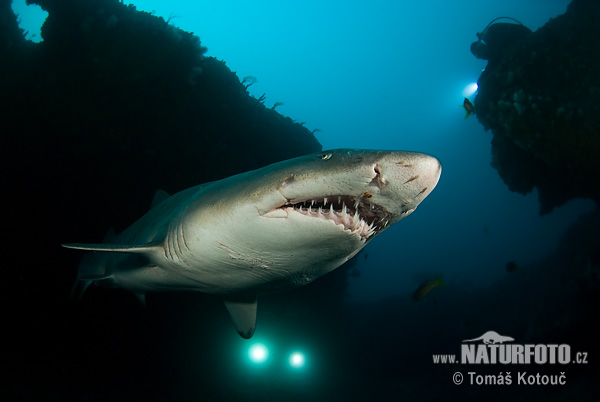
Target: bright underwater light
[[297, 360], [258, 353], [470, 89]]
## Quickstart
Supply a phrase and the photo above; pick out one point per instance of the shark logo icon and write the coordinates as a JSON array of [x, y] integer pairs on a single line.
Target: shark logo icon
[[491, 337], [499, 349]]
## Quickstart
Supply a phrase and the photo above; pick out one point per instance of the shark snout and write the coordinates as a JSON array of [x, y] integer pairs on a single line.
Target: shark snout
[[410, 170], [425, 174], [428, 169], [405, 179]]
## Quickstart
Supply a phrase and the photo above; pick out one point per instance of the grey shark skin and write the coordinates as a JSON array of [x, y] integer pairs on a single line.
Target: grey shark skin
[[267, 230]]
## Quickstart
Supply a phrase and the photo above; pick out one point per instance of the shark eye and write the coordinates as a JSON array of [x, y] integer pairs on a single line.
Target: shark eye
[[324, 155], [376, 169]]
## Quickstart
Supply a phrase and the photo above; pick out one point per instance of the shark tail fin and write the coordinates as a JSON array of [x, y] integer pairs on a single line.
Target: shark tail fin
[[79, 288], [94, 266]]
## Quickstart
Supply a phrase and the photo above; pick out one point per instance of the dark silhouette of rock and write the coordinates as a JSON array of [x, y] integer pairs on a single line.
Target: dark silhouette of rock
[[115, 104], [111, 106], [541, 100]]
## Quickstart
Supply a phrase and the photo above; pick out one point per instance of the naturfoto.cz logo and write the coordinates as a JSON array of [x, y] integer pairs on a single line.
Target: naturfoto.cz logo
[[492, 348]]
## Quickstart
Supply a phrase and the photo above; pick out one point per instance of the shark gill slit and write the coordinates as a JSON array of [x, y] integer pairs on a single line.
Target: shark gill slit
[[175, 244]]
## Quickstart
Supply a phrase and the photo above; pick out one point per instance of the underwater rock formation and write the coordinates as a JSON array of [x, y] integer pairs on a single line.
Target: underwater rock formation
[[116, 103], [542, 103], [111, 106]]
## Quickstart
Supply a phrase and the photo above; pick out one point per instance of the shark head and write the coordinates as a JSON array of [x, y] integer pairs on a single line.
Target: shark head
[[291, 222], [361, 191]]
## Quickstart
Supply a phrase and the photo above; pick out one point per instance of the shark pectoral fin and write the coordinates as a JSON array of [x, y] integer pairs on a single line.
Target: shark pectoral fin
[[118, 248], [149, 249], [243, 313], [110, 236]]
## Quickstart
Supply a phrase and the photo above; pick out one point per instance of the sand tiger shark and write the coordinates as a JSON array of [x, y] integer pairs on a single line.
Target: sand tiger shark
[[262, 231]]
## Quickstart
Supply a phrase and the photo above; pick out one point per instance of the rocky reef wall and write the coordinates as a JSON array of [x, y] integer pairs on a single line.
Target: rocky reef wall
[[111, 106], [541, 101], [114, 104]]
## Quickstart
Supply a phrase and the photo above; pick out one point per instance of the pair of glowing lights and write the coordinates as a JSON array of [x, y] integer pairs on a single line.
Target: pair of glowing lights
[[258, 353]]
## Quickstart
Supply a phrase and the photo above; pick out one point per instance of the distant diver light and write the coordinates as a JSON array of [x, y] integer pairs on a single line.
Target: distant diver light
[[470, 89]]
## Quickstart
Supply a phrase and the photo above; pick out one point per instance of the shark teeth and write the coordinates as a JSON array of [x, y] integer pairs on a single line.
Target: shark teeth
[[354, 214]]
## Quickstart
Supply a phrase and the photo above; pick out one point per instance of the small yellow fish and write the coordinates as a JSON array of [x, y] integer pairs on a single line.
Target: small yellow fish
[[426, 287], [468, 106]]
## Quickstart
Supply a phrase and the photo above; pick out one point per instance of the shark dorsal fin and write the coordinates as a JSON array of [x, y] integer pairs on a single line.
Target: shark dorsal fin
[[243, 313], [110, 236], [159, 197]]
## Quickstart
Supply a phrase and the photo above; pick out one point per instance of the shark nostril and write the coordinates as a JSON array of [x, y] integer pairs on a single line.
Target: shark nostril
[[379, 180]]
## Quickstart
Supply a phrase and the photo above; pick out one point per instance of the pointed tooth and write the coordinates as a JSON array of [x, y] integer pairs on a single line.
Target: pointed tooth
[[339, 199], [325, 201], [356, 204], [312, 203], [310, 209], [344, 210], [355, 219], [320, 212], [331, 209], [300, 208], [366, 228]]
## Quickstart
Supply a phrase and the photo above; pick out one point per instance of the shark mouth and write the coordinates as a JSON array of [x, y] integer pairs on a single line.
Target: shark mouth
[[355, 215]]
